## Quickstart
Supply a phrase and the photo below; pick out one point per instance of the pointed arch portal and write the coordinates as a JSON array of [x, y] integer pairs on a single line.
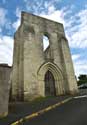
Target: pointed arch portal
[[50, 80]]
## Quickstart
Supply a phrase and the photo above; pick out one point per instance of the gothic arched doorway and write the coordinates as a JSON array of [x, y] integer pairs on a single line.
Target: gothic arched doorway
[[49, 84]]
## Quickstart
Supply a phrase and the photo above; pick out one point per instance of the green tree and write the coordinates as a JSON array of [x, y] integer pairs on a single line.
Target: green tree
[[82, 79]]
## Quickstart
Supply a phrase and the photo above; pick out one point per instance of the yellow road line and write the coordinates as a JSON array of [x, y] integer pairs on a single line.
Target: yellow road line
[[41, 112]]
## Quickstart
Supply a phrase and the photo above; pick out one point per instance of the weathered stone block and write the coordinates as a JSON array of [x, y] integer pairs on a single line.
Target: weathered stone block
[[4, 89]]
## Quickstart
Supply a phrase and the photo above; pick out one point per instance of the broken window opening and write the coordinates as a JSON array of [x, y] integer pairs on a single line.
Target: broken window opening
[[46, 42]]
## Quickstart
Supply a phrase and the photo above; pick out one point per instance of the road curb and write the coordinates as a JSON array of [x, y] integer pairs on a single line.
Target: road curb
[[18, 122]]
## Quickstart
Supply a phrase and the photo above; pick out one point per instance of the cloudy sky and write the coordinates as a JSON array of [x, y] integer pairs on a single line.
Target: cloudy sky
[[72, 13]]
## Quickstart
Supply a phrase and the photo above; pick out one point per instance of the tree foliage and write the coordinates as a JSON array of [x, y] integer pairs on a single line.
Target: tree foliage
[[82, 79]]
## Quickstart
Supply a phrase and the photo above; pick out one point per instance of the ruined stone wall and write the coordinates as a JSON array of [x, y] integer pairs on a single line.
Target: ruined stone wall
[[29, 58], [4, 88]]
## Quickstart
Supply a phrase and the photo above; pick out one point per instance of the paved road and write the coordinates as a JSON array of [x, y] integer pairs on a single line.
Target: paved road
[[19, 110], [73, 112]]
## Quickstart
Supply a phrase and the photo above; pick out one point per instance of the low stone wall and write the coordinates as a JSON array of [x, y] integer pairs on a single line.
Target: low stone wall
[[4, 88]]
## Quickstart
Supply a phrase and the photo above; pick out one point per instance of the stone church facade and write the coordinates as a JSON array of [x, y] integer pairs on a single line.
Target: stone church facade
[[38, 72]]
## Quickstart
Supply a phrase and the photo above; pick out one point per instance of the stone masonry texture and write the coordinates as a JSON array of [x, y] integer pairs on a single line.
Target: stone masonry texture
[[4, 88], [31, 63]]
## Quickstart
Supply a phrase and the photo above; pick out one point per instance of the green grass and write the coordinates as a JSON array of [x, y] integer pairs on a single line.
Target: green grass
[[41, 99]]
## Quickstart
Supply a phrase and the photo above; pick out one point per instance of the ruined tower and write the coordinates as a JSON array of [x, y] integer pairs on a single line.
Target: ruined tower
[[38, 72]]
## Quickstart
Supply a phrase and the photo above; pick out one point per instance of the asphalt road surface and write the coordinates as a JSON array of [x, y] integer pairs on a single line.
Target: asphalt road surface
[[73, 112]]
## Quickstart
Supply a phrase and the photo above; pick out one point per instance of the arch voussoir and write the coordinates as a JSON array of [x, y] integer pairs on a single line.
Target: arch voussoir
[[57, 74]]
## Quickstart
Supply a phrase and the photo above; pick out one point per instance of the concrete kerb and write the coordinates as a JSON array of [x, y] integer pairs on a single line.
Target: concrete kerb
[[41, 112]]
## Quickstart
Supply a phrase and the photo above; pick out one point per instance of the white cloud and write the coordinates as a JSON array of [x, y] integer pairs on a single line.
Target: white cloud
[[3, 19], [75, 57], [6, 42], [6, 50], [77, 33], [51, 9], [80, 67], [16, 24], [55, 15], [18, 12], [45, 42], [40, 6], [47, 4]]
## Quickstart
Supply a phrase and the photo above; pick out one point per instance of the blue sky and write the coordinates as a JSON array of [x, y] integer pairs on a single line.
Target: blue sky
[[72, 13]]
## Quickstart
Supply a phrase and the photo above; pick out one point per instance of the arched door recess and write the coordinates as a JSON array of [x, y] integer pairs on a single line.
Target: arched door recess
[[56, 76], [49, 84]]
